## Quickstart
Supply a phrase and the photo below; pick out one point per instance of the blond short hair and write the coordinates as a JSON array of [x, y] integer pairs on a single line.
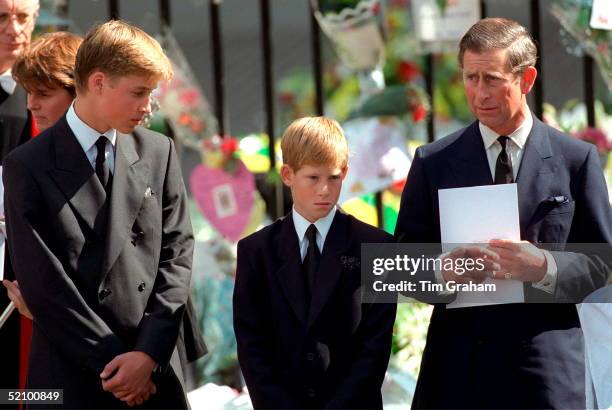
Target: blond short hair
[[48, 62], [314, 141], [119, 49], [500, 33]]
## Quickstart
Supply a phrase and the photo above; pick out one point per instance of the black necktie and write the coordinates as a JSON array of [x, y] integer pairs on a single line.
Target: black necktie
[[311, 260], [102, 171], [503, 166]]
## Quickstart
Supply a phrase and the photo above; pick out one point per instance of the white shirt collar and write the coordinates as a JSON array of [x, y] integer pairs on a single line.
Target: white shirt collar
[[322, 224], [7, 82], [519, 136], [86, 135]]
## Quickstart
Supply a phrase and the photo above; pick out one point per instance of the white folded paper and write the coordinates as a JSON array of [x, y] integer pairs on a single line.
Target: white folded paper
[[477, 215]]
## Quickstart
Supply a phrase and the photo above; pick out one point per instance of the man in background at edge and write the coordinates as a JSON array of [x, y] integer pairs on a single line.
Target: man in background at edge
[[17, 20]]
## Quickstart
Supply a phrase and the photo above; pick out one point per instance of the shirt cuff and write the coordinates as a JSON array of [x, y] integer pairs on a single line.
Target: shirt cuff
[[549, 281]]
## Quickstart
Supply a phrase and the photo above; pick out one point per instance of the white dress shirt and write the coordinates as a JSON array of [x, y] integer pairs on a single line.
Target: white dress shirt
[[322, 224], [87, 137], [7, 82]]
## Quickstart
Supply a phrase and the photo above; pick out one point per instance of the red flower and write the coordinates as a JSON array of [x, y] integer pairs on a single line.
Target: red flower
[[197, 125], [597, 137], [184, 119], [398, 187], [407, 71], [286, 98], [189, 97], [602, 48], [399, 3], [418, 113], [376, 8], [229, 145]]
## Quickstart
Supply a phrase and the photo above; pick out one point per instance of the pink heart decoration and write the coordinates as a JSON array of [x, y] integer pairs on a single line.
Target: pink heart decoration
[[225, 200]]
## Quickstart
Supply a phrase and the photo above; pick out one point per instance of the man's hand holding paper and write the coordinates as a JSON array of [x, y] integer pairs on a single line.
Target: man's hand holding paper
[[521, 261]]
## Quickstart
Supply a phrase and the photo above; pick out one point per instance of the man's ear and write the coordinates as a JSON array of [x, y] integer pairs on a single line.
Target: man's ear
[[287, 175], [528, 78]]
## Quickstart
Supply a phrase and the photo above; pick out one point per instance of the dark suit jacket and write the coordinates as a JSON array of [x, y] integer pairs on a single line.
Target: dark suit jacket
[[521, 355], [333, 356], [97, 290], [15, 121], [190, 343], [15, 129]]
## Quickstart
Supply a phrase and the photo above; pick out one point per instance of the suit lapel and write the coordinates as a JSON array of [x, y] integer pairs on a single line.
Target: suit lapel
[[76, 178], [470, 165], [129, 184], [535, 164], [290, 274], [330, 269]]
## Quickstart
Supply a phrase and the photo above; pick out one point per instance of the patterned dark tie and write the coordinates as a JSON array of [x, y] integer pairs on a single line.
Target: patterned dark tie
[[102, 170], [503, 166], [311, 260]]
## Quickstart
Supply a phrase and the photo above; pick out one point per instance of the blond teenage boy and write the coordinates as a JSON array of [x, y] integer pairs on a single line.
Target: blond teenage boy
[[100, 237], [305, 340], [46, 71]]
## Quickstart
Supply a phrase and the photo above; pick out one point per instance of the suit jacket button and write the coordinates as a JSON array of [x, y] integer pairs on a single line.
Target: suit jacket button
[[142, 286], [310, 357], [311, 393]]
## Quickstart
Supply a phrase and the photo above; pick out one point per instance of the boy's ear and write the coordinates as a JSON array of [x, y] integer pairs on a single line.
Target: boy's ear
[[95, 82], [344, 172], [287, 174]]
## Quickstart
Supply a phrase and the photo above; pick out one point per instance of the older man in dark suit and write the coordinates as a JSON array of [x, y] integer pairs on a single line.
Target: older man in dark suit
[[513, 355], [17, 18]]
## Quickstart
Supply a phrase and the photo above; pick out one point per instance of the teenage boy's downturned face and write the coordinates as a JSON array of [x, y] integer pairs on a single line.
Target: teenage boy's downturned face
[[124, 101], [315, 189]]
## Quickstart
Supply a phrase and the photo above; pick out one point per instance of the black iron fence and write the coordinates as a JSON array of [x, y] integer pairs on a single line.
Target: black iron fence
[[267, 57]]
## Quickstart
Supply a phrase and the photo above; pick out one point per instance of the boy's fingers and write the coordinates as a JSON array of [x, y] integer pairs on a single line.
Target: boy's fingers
[[115, 383], [110, 367], [133, 398]]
